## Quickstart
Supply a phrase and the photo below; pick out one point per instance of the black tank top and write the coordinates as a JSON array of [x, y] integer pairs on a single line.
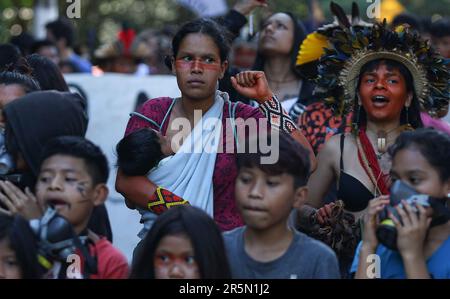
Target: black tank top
[[351, 191]]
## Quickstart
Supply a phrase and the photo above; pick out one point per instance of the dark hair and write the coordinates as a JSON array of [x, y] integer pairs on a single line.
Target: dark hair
[[293, 158], [26, 82], [299, 36], [139, 152], [9, 55], [23, 42], [216, 32], [47, 73], [432, 144], [23, 242], [205, 236], [405, 18], [78, 147], [440, 28], [62, 29], [413, 117], [37, 45]]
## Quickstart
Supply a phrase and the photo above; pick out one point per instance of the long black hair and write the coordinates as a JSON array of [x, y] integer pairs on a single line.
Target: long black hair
[[205, 236], [47, 73], [24, 243], [299, 36], [410, 115]]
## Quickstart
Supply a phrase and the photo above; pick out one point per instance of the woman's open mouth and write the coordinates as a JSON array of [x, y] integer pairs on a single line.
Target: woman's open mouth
[[380, 101]]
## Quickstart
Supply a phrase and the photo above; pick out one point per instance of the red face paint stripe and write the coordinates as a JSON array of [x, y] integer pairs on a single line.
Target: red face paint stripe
[[190, 64]]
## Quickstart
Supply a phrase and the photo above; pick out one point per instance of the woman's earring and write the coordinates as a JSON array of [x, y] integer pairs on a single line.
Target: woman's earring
[[356, 123]]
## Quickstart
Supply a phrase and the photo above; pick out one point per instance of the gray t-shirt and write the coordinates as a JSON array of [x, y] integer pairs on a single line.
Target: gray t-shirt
[[305, 258]]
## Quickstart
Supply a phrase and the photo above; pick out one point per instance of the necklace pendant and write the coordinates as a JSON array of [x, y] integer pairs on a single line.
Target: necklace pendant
[[381, 141]]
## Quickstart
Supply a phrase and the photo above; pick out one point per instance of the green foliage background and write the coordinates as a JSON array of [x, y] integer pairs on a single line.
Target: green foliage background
[[102, 18]]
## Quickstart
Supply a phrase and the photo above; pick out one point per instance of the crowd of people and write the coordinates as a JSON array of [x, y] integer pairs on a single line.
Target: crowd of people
[[331, 148]]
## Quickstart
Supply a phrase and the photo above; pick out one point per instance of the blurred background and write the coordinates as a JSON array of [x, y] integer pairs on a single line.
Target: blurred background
[[102, 19]]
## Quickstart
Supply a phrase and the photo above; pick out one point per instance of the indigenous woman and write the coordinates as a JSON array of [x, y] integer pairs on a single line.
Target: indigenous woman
[[200, 59], [385, 77]]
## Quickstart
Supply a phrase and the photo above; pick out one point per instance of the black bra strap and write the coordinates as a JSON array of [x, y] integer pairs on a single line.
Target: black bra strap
[[342, 151]]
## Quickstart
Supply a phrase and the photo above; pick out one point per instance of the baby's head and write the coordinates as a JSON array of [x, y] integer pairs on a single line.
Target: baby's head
[[140, 151], [72, 179]]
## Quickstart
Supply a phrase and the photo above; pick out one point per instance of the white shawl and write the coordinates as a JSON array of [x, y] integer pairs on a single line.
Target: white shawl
[[189, 173]]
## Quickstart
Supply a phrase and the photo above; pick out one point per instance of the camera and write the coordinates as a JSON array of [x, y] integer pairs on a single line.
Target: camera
[[55, 237], [6, 160], [57, 240], [386, 231]]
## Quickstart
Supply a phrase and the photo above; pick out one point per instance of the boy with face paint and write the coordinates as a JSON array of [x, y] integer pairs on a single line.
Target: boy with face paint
[[72, 180]]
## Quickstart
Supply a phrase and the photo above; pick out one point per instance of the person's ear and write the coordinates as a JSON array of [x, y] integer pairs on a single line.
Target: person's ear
[[447, 188], [223, 68], [100, 194], [300, 196], [409, 99]]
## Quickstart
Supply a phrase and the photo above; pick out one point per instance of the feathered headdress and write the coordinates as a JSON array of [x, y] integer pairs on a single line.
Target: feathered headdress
[[351, 47], [314, 45]]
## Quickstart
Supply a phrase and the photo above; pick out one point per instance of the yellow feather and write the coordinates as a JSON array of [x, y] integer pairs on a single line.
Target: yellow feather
[[311, 48]]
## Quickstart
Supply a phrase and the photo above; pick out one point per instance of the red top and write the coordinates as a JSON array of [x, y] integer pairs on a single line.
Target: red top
[[111, 263], [226, 213]]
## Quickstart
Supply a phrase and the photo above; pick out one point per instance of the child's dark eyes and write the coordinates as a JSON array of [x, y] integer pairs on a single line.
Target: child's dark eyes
[[44, 179], [12, 263], [272, 183], [245, 179], [190, 260], [414, 180]]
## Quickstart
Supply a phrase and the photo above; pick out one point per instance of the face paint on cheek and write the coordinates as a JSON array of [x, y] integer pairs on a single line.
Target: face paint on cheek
[[185, 65], [81, 188]]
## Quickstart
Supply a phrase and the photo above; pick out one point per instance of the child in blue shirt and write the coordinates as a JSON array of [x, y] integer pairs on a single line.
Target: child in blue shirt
[[421, 159]]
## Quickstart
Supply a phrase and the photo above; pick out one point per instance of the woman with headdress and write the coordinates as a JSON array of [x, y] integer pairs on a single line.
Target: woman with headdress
[[385, 77], [318, 122]]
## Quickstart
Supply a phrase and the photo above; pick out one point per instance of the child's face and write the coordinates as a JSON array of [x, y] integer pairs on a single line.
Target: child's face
[[9, 267], [65, 184], [410, 166], [174, 258], [442, 44], [166, 149], [264, 200]]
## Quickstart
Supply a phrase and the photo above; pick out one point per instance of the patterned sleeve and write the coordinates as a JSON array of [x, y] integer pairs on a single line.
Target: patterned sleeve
[[153, 109]]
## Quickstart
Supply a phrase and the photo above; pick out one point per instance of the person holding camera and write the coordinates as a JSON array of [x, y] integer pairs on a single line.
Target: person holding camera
[[420, 230], [30, 122]]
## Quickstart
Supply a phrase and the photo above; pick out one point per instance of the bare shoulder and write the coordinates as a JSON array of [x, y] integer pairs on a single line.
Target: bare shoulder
[[331, 151], [332, 146]]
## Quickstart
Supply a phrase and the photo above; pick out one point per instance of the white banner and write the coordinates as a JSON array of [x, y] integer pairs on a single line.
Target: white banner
[[206, 8], [111, 98]]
